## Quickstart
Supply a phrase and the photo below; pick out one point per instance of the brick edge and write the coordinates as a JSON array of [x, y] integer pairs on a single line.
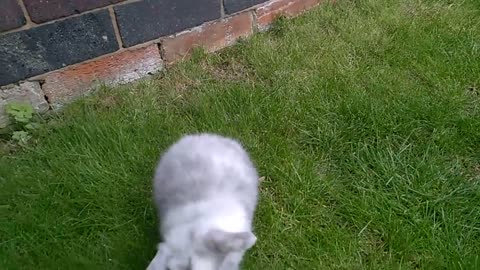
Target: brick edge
[[61, 86]]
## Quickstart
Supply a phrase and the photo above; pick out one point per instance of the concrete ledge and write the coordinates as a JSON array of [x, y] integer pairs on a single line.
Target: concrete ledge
[[28, 92]]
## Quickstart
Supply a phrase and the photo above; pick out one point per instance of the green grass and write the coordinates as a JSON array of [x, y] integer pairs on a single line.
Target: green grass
[[364, 117]]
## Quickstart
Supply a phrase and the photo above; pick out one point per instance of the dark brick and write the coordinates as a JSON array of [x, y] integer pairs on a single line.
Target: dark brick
[[151, 19], [45, 48], [11, 15], [232, 6], [42, 11]]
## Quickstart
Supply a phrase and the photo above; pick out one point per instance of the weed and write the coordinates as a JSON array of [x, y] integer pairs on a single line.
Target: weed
[[21, 114]]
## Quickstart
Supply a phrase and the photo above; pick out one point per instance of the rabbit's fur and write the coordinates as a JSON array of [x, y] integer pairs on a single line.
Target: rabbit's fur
[[205, 191]]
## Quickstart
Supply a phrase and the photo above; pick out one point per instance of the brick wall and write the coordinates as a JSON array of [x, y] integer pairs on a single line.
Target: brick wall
[[53, 51]]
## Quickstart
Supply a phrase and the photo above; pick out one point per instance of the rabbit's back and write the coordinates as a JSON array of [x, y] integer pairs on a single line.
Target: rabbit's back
[[201, 167]]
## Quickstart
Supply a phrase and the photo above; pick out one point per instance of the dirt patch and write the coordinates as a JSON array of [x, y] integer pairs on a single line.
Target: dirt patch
[[227, 69], [473, 90], [476, 172]]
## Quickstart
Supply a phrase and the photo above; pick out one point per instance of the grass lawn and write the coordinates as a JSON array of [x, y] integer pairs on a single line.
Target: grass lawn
[[364, 118]]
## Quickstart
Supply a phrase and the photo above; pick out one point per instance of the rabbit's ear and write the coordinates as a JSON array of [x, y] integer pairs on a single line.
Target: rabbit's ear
[[159, 262], [226, 242]]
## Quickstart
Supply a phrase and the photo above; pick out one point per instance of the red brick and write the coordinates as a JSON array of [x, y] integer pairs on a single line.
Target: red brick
[[211, 36], [122, 67], [267, 13]]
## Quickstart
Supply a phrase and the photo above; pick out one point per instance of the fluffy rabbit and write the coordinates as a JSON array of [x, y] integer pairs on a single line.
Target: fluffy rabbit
[[205, 191]]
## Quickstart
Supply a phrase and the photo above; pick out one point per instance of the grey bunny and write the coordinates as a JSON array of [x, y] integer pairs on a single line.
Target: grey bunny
[[206, 191]]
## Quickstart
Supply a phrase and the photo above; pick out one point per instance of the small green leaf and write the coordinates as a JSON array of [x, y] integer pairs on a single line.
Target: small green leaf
[[32, 126], [20, 111], [21, 136]]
